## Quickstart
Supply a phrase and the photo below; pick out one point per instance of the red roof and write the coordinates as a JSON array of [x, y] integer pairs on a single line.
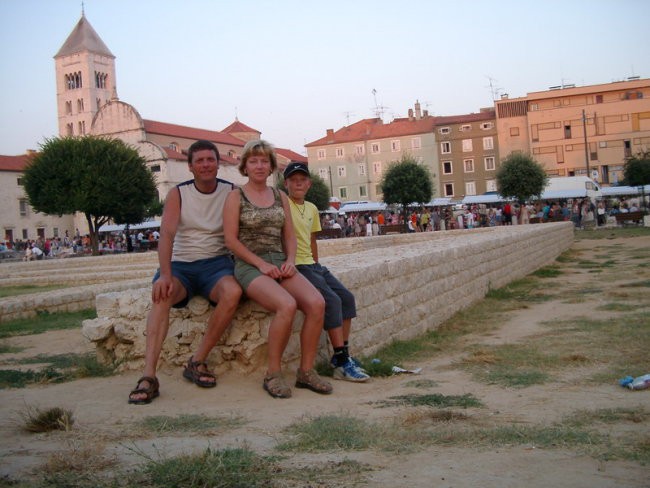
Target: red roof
[[184, 132], [171, 154], [291, 155], [14, 163], [461, 119], [237, 126], [374, 128], [368, 129]]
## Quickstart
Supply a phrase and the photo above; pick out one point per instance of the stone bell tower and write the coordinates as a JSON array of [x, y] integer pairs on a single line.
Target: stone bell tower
[[85, 79]]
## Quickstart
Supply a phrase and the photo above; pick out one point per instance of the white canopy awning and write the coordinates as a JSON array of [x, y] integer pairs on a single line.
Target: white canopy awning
[[151, 224], [362, 207], [610, 191], [489, 198], [439, 202]]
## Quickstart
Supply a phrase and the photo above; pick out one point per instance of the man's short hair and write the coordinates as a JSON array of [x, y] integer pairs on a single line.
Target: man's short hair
[[201, 145]]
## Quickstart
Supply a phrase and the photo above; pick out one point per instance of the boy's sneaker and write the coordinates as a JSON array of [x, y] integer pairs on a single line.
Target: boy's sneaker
[[350, 372]]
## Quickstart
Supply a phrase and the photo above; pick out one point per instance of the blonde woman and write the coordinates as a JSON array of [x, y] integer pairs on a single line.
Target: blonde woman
[[259, 231]]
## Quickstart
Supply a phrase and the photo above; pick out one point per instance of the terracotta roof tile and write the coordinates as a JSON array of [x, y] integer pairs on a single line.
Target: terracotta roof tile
[[291, 155], [14, 163], [370, 129], [237, 126], [181, 131]]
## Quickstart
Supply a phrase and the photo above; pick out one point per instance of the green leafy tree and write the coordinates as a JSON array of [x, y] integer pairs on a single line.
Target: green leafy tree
[[637, 169], [406, 182], [319, 193], [637, 172], [100, 177], [520, 177]]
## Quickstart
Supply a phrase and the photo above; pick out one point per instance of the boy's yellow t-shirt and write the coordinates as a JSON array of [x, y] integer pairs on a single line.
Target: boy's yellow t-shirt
[[305, 222]]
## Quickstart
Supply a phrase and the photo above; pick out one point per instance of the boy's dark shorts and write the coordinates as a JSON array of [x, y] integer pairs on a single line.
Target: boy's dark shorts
[[339, 301]]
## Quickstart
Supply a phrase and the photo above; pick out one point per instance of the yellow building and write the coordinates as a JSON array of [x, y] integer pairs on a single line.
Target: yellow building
[[578, 131]]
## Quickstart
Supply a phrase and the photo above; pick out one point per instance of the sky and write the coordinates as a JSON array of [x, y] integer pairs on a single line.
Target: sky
[[294, 68]]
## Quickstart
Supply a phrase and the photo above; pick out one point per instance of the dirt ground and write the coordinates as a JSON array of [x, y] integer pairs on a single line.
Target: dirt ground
[[102, 415]]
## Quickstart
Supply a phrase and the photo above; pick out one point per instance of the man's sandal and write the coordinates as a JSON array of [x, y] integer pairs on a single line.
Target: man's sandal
[[275, 385], [152, 391], [192, 373], [310, 379]]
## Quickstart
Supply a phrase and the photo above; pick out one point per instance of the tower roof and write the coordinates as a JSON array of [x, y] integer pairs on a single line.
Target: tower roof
[[83, 38]]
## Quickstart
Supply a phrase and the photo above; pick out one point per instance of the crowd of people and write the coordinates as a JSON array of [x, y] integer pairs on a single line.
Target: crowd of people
[[57, 247], [581, 211]]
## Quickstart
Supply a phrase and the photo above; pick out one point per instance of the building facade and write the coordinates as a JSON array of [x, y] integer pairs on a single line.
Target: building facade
[[468, 153], [18, 220], [352, 160], [578, 131]]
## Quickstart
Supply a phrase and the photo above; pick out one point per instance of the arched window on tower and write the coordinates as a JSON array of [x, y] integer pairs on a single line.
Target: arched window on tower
[[68, 129], [68, 107], [99, 103], [80, 105], [82, 128]]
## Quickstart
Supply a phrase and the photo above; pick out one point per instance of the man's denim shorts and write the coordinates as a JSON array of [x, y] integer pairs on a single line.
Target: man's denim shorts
[[201, 276]]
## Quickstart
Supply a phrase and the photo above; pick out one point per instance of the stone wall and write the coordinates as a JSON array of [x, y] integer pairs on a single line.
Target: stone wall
[[405, 285]]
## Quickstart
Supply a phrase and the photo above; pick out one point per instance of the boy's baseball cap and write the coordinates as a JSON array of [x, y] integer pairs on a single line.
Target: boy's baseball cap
[[293, 168]]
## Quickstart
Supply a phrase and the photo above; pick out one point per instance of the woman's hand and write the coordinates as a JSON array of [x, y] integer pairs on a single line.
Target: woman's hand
[[288, 269], [270, 270]]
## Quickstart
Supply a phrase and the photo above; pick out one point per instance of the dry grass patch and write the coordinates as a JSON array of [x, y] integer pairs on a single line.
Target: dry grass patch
[[46, 420]]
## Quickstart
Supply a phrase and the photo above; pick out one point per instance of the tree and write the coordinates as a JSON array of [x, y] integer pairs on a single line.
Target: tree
[[520, 177], [406, 182], [319, 193], [100, 177], [637, 172]]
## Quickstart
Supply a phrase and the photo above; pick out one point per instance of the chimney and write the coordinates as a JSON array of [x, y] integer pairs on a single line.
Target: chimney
[[418, 113], [425, 113], [330, 132], [504, 96], [411, 114]]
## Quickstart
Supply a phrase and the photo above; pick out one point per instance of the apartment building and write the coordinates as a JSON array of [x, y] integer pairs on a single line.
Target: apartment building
[[578, 131], [353, 159], [468, 153], [18, 220]]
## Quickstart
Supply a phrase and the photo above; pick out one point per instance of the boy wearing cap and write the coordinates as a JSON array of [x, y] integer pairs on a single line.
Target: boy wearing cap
[[340, 307]]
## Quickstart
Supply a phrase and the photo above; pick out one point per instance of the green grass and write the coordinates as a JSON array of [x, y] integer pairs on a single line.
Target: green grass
[[202, 424], [60, 368], [547, 272], [7, 349], [333, 433], [436, 400], [10, 291], [617, 233], [45, 322]]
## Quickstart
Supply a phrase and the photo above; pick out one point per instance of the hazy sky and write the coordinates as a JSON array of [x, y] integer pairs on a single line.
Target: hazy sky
[[294, 68]]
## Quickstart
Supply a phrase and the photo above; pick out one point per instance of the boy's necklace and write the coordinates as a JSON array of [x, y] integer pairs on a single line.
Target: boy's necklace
[[300, 210]]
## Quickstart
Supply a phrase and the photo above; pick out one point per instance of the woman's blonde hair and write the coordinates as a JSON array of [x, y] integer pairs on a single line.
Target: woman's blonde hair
[[258, 148]]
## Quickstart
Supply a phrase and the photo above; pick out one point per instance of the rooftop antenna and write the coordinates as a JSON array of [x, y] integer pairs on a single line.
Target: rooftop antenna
[[379, 109], [236, 114], [347, 117], [494, 90]]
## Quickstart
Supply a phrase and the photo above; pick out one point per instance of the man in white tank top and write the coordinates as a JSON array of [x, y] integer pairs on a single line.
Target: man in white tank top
[[193, 260]]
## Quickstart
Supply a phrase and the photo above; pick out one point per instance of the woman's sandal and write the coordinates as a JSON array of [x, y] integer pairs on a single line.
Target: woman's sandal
[[275, 385], [152, 391], [310, 379], [192, 373]]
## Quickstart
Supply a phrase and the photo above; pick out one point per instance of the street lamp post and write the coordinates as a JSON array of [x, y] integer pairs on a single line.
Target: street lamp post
[[584, 130]]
